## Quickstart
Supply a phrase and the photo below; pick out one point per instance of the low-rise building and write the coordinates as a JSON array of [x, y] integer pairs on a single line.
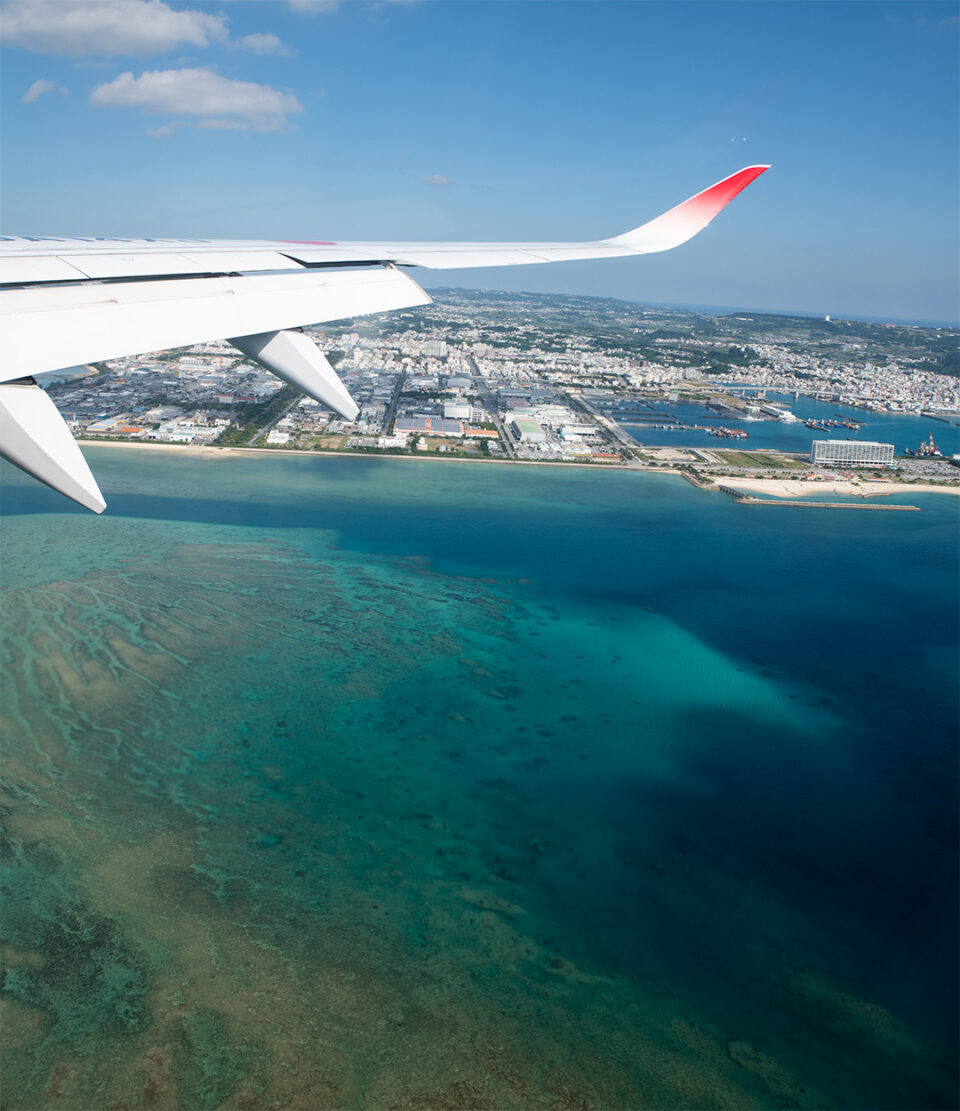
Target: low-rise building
[[432, 426], [528, 431]]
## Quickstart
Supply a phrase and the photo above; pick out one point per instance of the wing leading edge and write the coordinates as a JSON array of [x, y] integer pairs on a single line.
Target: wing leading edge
[[65, 302]]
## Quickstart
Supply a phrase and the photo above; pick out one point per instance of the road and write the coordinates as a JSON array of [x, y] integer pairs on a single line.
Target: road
[[261, 433], [489, 403], [387, 426]]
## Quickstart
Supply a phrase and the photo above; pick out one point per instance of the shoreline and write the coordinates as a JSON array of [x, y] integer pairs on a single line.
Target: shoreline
[[773, 487], [209, 450]]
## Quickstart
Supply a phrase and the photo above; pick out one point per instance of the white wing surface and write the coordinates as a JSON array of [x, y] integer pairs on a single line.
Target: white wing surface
[[65, 302]]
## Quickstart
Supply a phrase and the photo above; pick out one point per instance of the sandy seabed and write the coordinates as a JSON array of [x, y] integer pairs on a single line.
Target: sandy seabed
[[294, 823]]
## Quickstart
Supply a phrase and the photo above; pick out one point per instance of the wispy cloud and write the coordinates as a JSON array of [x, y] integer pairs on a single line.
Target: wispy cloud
[[948, 22], [38, 88], [310, 6], [220, 102], [264, 43], [83, 28], [327, 7], [437, 179]]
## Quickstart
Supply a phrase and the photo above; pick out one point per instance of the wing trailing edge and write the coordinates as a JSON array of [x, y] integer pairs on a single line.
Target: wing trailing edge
[[45, 328]]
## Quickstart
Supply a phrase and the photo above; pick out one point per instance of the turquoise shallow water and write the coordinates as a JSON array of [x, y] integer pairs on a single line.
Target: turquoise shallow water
[[341, 782]]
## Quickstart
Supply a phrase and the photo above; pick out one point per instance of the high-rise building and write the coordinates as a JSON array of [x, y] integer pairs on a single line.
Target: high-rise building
[[852, 453]]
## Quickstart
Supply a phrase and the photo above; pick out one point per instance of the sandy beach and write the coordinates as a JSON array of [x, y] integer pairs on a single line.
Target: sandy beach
[[804, 488], [211, 451], [153, 445]]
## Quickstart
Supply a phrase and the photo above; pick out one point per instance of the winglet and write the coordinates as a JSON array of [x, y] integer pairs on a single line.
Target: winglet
[[683, 222], [34, 436]]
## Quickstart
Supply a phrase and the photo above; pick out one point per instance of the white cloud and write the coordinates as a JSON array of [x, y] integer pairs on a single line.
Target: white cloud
[[234, 105], [437, 179], [38, 88], [105, 27], [260, 43], [162, 132]]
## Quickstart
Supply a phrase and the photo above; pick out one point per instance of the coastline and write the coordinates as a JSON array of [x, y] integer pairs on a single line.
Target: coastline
[[210, 450], [772, 487]]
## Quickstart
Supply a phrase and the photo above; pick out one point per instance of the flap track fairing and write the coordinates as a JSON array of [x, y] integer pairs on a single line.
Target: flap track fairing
[[34, 436]]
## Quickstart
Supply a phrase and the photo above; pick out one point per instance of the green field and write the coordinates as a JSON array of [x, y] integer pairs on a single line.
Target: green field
[[758, 459]]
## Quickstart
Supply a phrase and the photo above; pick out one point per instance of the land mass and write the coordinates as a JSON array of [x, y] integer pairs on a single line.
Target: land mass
[[531, 378]]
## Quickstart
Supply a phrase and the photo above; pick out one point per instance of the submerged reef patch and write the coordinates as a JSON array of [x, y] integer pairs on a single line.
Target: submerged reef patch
[[296, 823]]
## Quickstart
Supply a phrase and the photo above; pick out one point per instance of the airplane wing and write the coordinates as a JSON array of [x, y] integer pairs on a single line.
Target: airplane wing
[[66, 302]]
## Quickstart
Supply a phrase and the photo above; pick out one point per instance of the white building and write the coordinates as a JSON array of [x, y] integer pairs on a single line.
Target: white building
[[528, 431], [852, 453]]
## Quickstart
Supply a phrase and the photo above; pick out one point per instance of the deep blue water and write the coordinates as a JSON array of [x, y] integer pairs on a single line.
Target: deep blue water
[[903, 431], [651, 794]]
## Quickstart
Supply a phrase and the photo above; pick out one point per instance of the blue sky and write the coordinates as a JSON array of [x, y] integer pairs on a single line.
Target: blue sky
[[314, 119]]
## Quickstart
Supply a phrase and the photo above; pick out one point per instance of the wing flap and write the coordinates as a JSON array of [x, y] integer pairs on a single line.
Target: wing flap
[[158, 265], [331, 254], [231, 262], [130, 266], [18, 270]]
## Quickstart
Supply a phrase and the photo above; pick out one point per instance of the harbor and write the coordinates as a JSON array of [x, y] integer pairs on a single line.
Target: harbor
[[688, 423]]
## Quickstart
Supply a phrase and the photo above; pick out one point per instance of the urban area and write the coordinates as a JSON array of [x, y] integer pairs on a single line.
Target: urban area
[[534, 378]]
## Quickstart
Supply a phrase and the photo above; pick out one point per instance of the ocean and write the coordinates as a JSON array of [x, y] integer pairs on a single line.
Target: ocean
[[341, 782]]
